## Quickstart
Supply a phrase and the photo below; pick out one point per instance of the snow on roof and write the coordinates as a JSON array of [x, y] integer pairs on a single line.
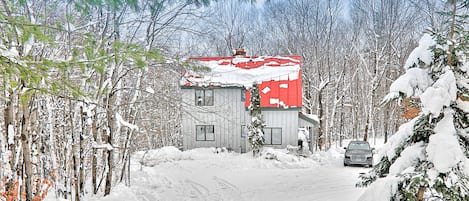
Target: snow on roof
[[242, 71], [310, 117], [278, 77]]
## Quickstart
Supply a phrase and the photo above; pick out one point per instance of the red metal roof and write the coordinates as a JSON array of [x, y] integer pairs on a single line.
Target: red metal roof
[[276, 90]]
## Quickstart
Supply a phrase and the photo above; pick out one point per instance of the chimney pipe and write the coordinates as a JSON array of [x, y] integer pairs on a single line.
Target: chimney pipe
[[239, 52]]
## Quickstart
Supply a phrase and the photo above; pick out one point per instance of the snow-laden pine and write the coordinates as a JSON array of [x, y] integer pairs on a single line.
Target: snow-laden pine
[[255, 133], [428, 158]]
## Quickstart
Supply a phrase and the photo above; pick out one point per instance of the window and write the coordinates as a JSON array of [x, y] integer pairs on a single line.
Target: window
[[244, 131], [273, 136], [204, 133], [359, 145], [243, 95], [204, 97]]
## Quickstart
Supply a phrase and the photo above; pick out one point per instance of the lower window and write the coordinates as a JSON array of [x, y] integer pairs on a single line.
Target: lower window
[[273, 136], [204, 133]]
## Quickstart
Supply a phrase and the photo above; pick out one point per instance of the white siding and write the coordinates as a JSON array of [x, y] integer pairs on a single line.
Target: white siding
[[227, 115], [285, 119]]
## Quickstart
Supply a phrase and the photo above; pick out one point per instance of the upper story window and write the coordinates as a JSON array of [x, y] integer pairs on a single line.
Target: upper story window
[[204, 97], [243, 95], [273, 136]]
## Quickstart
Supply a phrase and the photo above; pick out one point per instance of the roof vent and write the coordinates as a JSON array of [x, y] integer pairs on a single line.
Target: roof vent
[[239, 52]]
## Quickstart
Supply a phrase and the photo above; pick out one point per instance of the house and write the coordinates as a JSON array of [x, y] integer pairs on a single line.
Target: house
[[215, 99]]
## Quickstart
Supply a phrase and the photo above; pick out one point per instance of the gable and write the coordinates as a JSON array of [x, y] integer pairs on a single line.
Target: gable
[[278, 77]]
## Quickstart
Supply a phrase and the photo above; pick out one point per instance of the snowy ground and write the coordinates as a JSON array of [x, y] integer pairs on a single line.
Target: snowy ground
[[202, 175]]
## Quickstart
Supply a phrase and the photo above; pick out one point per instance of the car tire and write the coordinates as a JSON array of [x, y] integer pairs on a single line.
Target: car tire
[[345, 164]]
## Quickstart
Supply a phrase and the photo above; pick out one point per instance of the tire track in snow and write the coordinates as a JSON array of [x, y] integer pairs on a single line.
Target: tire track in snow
[[232, 189], [147, 197], [197, 190], [225, 184]]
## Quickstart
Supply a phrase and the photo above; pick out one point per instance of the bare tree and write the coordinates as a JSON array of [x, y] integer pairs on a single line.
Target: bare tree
[[383, 27]]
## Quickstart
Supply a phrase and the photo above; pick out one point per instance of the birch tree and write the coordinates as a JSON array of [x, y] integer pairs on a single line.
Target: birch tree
[[384, 33]]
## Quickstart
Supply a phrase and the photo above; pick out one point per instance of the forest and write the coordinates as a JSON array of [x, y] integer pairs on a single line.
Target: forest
[[85, 83]]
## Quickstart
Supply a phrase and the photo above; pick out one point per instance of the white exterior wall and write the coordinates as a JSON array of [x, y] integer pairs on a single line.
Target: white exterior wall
[[285, 119], [228, 114]]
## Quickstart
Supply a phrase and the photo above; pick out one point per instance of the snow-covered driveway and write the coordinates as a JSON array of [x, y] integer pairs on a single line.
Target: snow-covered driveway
[[203, 175]]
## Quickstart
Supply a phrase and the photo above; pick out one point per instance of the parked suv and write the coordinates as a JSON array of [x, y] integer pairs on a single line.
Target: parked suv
[[358, 153]]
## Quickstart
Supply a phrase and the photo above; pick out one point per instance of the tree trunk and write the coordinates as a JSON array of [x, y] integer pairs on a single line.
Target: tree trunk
[[9, 129], [132, 114], [387, 121], [94, 159], [81, 177], [125, 155], [321, 122], [420, 194], [367, 123], [25, 139], [75, 158], [107, 188], [451, 33], [111, 120]]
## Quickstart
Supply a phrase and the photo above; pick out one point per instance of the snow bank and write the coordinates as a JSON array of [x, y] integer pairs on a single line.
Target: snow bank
[[331, 156], [119, 192], [280, 158], [165, 154], [270, 158], [208, 153], [170, 154]]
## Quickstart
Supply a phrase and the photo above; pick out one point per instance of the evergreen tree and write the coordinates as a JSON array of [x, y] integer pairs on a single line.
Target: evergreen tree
[[428, 158], [256, 132]]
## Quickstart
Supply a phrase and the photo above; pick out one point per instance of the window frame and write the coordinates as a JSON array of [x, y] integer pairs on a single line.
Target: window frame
[[243, 129], [243, 95], [205, 99], [271, 135], [205, 129]]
